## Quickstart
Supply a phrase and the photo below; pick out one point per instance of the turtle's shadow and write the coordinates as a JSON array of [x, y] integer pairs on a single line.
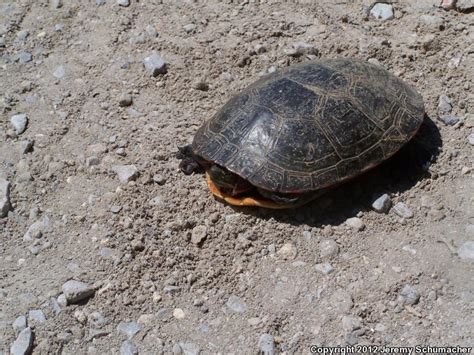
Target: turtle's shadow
[[398, 174]]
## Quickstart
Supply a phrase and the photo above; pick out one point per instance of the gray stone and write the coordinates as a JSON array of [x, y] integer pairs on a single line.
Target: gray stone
[[26, 146], [56, 4], [125, 173], [190, 27], [65, 337], [23, 343], [444, 104], [97, 319], [328, 248], [62, 301], [351, 323], [100, 2], [125, 100], [36, 317], [402, 210], [37, 229], [355, 223], [324, 268], [189, 348], [266, 344], [466, 251], [154, 64], [92, 161], [22, 35], [433, 23], [2, 42], [128, 348], [410, 295], [76, 291], [159, 179], [55, 305], [470, 139], [59, 27], [25, 57], [382, 12], [382, 204], [59, 72], [124, 3], [287, 251], [151, 31], [449, 120], [19, 324], [198, 235], [19, 122], [129, 328], [4, 197], [236, 304], [465, 5]]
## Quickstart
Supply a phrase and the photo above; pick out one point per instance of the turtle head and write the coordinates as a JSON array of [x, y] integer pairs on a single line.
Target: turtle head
[[190, 162], [226, 181]]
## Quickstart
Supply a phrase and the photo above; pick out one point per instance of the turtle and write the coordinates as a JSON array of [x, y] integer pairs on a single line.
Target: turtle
[[293, 134]]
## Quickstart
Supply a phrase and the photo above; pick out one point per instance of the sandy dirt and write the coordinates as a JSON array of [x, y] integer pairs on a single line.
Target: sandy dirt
[[166, 267]]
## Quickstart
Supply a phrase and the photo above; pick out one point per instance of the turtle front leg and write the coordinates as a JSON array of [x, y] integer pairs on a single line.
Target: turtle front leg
[[189, 163]]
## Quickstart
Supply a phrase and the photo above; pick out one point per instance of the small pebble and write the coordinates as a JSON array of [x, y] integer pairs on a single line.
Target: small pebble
[[128, 348], [324, 268], [287, 251], [198, 235], [76, 291], [100, 2], [26, 146], [382, 12], [266, 344], [56, 4], [236, 304], [154, 64], [402, 210], [328, 248], [128, 328], [466, 251], [22, 35], [355, 223], [19, 324], [448, 4], [189, 348], [125, 100], [24, 57], [470, 139], [444, 104], [190, 27], [23, 343], [449, 120], [124, 3], [151, 31], [201, 85], [125, 173], [351, 323], [59, 72], [410, 295], [4, 197], [62, 301], [178, 313], [382, 204], [36, 317], [19, 122]]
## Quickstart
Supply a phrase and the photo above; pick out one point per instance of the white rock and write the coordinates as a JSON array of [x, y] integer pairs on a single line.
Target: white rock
[[4, 197], [351, 323], [36, 317], [128, 348], [382, 204], [198, 234], [19, 122], [287, 251], [328, 248], [236, 304], [466, 251], [154, 64], [125, 173], [266, 344], [178, 313], [355, 223], [19, 324], [76, 291], [382, 12], [402, 210], [324, 268], [23, 343], [123, 3], [189, 348], [59, 72], [129, 328], [37, 229]]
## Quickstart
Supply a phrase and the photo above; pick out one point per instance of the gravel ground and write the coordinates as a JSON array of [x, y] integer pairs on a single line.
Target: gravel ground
[[106, 247]]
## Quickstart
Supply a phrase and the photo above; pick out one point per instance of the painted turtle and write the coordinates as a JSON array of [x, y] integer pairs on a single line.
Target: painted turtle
[[292, 134]]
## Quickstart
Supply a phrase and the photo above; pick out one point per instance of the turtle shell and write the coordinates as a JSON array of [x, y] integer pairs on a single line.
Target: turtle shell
[[312, 125]]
